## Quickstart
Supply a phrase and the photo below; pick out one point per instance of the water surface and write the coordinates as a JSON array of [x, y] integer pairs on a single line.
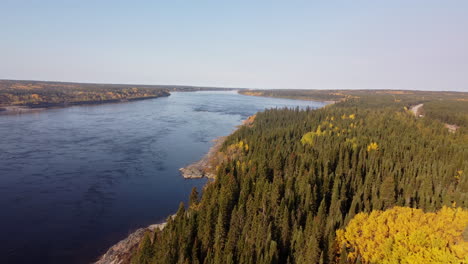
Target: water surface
[[74, 181]]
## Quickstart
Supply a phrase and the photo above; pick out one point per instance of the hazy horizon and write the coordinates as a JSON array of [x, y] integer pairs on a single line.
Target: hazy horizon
[[226, 87], [420, 45]]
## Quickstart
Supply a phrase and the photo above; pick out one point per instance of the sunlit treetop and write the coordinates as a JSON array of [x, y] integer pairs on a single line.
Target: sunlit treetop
[[406, 235]]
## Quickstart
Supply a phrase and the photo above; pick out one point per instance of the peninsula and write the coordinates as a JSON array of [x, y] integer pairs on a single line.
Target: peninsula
[[24, 96]]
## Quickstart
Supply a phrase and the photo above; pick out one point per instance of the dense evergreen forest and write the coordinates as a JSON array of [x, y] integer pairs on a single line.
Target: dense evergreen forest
[[294, 177], [48, 94]]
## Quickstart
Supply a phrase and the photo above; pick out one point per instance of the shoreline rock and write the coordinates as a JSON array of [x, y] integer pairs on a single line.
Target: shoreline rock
[[121, 252], [204, 167]]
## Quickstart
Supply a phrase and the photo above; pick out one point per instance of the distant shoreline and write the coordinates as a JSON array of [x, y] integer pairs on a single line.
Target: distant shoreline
[[302, 98], [20, 96], [29, 108]]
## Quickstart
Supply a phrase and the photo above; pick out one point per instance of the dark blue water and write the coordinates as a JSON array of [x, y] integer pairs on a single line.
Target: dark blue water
[[74, 181]]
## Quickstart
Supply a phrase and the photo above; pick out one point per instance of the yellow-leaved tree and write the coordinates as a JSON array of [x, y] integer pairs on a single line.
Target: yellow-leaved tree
[[406, 235], [372, 146]]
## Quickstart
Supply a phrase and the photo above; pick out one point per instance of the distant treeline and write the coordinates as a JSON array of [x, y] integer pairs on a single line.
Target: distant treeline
[[295, 177], [374, 97], [48, 94], [448, 107]]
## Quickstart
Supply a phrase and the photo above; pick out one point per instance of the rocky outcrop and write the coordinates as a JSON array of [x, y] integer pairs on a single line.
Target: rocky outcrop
[[204, 167], [121, 252], [192, 172]]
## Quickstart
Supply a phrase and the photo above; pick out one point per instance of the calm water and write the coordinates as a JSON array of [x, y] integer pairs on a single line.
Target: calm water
[[74, 181]]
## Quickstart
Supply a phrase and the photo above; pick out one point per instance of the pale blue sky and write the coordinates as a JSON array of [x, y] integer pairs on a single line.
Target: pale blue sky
[[397, 44]]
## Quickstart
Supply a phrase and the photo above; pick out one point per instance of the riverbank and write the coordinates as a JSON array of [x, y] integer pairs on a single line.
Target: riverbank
[[47, 94], [313, 98], [121, 252], [29, 108], [206, 167], [18, 109]]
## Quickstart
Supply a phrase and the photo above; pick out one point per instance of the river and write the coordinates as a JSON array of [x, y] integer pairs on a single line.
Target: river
[[74, 181]]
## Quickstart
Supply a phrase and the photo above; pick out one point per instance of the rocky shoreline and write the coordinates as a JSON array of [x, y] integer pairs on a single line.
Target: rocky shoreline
[[121, 252], [204, 167]]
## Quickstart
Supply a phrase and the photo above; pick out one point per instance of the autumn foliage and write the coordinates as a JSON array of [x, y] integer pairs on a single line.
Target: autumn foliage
[[406, 235]]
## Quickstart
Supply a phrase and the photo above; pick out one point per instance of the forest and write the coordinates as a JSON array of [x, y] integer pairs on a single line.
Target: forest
[[36, 94], [295, 186], [370, 96]]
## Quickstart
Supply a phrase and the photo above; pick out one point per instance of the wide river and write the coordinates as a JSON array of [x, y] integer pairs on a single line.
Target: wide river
[[74, 181]]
